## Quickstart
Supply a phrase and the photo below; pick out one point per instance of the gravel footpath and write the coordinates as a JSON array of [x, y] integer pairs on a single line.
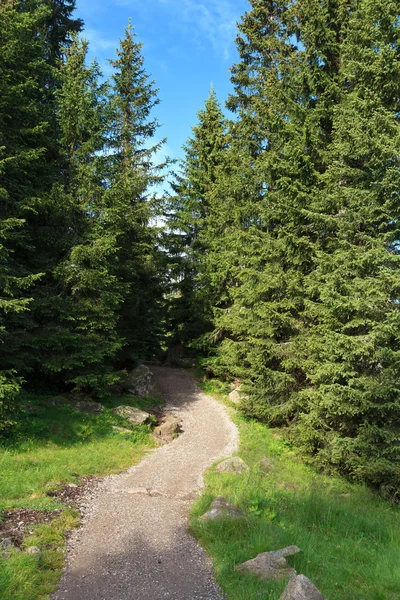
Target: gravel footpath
[[134, 543]]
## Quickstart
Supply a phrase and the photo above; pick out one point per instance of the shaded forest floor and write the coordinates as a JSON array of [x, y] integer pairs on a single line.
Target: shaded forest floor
[[350, 538]]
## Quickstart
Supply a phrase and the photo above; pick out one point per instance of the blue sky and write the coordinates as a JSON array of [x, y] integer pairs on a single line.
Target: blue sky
[[188, 45]]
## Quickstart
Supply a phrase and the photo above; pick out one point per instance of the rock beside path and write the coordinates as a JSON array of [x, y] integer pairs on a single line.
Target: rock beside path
[[236, 395], [301, 588], [271, 565], [221, 508], [141, 382], [233, 465], [169, 430], [131, 414]]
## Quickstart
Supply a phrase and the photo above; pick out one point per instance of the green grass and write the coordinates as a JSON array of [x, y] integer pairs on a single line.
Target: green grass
[[50, 448], [350, 538]]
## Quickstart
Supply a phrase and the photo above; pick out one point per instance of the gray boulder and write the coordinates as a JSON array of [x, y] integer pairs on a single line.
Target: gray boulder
[[301, 588], [221, 508], [233, 465], [131, 414], [140, 382], [271, 565]]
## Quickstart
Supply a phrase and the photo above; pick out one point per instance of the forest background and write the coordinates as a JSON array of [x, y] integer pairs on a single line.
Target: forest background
[[278, 258]]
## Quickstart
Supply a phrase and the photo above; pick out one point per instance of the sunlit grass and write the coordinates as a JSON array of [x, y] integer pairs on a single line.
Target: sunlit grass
[[350, 538], [52, 447]]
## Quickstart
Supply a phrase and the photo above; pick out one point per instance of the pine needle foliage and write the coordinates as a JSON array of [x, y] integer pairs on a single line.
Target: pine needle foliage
[[303, 257], [190, 214]]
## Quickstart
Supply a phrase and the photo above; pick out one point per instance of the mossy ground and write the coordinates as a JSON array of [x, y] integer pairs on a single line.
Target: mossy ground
[[52, 447], [350, 538]]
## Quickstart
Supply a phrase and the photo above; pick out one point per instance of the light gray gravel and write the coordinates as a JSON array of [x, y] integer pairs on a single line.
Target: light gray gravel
[[134, 543]]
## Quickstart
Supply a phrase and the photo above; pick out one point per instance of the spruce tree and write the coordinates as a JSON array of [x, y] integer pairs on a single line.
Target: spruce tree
[[90, 295], [285, 87], [310, 246], [350, 408], [132, 173], [23, 141], [190, 219]]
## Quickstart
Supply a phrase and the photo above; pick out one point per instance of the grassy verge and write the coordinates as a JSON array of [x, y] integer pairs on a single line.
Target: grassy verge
[[350, 538], [53, 447]]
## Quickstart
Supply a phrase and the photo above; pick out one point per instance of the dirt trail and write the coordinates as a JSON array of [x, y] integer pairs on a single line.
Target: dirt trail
[[134, 545]]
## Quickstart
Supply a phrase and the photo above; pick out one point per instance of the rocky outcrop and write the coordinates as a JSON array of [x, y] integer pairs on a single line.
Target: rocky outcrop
[[271, 565], [140, 382], [233, 465], [131, 414], [301, 588], [221, 508]]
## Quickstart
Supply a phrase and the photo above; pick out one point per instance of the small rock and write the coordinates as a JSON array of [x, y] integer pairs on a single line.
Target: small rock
[[157, 494], [5, 554], [235, 397], [8, 545], [289, 486], [33, 550], [266, 466], [142, 491], [89, 406], [140, 382], [131, 414], [221, 508], [169, 430], [57, 401], [72, 485], [301, 588], [121, 429], [233, 465], [271, 565]]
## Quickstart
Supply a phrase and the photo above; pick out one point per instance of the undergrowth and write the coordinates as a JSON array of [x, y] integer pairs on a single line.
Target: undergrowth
[[349, 536], [53, 446]]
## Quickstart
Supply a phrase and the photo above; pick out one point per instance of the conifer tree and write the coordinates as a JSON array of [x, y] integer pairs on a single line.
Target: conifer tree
[[285, 87], [90, 295], [23, 132], [129, 198], [350, 408], [309, 194], [191, 219]]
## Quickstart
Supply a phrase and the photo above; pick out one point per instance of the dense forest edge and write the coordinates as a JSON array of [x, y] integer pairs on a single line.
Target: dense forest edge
[[274, 257]]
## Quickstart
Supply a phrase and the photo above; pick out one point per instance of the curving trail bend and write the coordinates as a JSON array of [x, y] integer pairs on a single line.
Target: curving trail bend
[[134, 543]]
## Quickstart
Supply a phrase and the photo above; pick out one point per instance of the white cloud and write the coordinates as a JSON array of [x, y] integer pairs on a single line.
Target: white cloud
[[98, 43], [205, 21]]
